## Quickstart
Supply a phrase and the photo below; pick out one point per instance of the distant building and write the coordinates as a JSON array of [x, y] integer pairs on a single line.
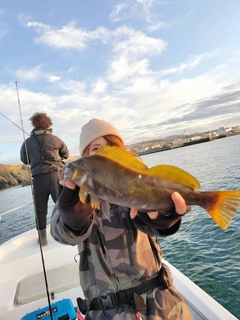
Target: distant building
[[193, 138], [221, 131], [145, 147]]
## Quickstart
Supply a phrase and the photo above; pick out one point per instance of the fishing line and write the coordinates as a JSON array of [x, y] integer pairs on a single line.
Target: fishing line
[[13, 123], [34, 204], [186, 260]]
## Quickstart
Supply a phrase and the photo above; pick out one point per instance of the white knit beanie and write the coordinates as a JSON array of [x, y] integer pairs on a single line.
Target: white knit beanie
[[94, 129]]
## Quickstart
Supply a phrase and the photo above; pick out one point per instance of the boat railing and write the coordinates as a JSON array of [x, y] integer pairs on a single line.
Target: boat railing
[[17, 208]]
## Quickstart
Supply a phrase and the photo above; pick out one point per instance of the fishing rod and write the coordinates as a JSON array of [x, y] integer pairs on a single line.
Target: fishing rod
[[35, 209], [13, 123]]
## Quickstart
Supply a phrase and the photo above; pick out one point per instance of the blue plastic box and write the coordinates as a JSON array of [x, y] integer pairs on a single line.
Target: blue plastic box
[[59, 309]]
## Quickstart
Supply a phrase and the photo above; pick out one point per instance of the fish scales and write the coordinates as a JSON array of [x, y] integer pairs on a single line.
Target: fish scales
[[117, 176], [123, 186]]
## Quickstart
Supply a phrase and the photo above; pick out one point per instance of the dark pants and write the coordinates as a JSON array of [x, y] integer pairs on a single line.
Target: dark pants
[[44, 185]]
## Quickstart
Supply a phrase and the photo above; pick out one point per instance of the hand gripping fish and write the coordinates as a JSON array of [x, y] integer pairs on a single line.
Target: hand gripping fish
[[115, 175]]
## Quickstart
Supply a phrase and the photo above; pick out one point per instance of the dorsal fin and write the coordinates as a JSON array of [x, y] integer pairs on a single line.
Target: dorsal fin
[[174, 174], [123, 157], [128, 160]]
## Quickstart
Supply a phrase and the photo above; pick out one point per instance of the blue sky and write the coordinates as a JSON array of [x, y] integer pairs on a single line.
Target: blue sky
[[152, 68]]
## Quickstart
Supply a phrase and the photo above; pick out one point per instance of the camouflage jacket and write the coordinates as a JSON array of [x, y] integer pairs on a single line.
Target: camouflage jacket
[[116, 254]]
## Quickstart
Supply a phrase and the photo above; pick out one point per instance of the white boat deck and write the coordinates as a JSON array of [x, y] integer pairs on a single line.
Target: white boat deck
[[23, 290]]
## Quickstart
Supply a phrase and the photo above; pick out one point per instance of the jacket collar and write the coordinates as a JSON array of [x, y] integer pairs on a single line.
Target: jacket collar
[[41, 131]]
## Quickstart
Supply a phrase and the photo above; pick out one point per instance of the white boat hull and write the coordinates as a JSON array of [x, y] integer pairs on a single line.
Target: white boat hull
[[23, 288]]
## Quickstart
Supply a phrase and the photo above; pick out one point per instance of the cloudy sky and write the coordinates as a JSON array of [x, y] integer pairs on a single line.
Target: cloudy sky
[[152, 68]]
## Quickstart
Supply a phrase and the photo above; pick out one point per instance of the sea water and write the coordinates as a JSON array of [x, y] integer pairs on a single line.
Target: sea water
[[201, 250]]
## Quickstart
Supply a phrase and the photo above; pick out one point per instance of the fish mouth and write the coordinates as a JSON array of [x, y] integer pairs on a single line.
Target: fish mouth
[[64, 173], [61, 173]]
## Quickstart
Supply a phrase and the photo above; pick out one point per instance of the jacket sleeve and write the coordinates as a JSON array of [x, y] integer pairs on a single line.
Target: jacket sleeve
[[164, 225], [71, 219], [63, 234], [23, 155], [63, 151]]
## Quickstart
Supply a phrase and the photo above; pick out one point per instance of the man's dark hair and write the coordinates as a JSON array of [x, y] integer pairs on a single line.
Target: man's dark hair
[[40, 120]]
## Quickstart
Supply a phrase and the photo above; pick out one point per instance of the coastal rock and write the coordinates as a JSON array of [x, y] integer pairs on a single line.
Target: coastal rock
[[14, 175]]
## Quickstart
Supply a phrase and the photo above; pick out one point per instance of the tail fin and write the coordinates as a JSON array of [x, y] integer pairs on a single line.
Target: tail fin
[[225, 208]]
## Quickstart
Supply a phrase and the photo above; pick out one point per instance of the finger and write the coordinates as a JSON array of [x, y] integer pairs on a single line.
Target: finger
[[133, 213], [153, 214], [180, 204], [69, 184], [61, 182]]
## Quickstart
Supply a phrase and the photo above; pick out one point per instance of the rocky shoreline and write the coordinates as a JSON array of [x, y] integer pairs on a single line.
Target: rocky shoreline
[[14, 175], [18, 174]]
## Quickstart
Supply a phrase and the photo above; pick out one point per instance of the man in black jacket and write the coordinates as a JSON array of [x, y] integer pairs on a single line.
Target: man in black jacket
[[44, 152]]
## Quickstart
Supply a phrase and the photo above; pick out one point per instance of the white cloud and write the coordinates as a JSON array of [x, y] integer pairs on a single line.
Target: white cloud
[[140, 10], [124, 39], [125, 68], [154, 24], [53, 78], [235, 56], [137, 43], [128, 46], [35, 74], [111, 67], [99, 86], [73, 86], [28, 74], [118, 8], [143, 108], [30, 102], [23, 18], [190, 64], [68, 36]]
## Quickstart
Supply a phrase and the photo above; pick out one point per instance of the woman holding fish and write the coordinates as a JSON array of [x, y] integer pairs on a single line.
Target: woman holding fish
[[121, 270]]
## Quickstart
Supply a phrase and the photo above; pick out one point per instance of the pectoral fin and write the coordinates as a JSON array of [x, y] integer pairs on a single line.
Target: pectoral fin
[[85, 190]]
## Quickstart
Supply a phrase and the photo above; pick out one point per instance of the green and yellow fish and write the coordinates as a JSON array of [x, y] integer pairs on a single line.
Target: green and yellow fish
[[115, 175]]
